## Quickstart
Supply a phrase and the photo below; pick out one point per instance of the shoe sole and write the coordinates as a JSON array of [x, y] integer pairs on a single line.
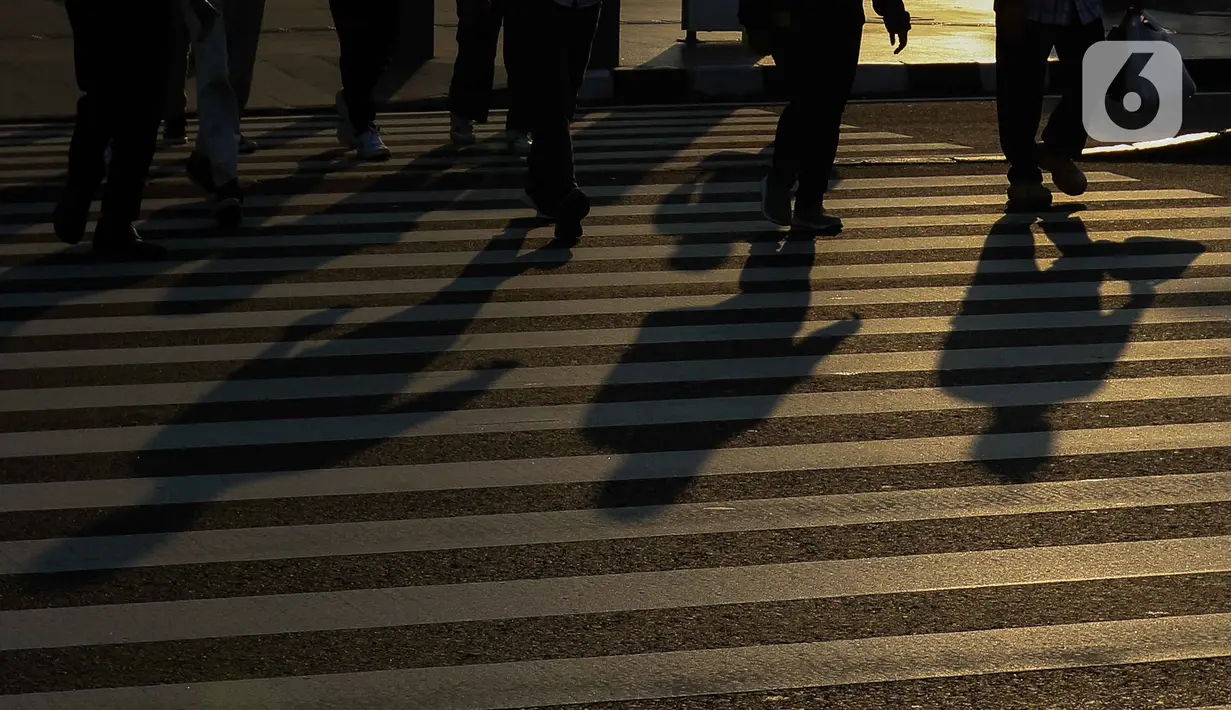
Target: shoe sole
[[818, 227]]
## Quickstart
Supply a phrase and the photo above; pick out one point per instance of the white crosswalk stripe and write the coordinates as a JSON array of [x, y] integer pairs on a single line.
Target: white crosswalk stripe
[[387, 442]]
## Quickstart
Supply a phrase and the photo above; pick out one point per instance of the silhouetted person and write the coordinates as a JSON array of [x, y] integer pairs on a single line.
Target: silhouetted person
[[557, 36], [119, 52], [474, 73], [1026, 33], [817, 45], [214, 162], [242, 19], [367, 38]]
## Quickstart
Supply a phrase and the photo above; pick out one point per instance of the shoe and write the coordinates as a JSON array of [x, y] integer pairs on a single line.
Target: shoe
[[175, 133], [228, 209], [1028, 196], [1064, 172], [369, 145], [573, 207], [775, 204], [200, 171], [813, 218], [123, 242], [346, 132], [461, 130], [246, 147], [518, 142], [71, 214]]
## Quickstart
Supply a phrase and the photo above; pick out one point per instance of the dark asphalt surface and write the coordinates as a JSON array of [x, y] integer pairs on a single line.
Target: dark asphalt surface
[[426, 332]]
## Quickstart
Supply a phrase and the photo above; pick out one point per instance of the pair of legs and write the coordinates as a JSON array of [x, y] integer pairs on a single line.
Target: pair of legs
[[119, 53], [1022, 49], [214, 162], [242, 20], [367, 38], [474, 73], [819, 77], [557, 41]]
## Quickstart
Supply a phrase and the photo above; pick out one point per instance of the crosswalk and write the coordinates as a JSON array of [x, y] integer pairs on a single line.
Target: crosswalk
[[385, 446]]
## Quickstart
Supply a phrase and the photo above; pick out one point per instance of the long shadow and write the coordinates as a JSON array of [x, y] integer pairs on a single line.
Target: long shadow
[[630, 491], [165, 455], [178, 451], [1018, 459]]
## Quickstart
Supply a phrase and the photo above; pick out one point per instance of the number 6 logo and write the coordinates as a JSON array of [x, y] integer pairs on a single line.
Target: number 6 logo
[[1132, 91]]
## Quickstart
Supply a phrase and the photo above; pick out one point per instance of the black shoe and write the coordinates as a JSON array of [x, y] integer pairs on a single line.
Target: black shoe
[[813, 218], [72, 213], [572, 208], [229, 208], [201, 171], [121, 241]]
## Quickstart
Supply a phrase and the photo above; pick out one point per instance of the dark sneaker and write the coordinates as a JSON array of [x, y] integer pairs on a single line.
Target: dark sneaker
[[813, 218], [228, 209], [71, 214], [1064, 172], [1029, 196], [246, 147], [200, 171], [574, 207], [776, 204], [121, 241]]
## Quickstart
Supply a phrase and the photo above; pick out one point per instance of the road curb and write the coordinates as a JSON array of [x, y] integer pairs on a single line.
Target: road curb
[[657, 85]]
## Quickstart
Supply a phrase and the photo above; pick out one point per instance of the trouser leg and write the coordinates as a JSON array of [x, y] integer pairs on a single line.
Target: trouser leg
[[244, 19], [367, 37], [140, 82], [95, 78], [559, 68], [1022, 48], [176, 106], [822, 104], [1065, 133], [216, 104], [474, 71]]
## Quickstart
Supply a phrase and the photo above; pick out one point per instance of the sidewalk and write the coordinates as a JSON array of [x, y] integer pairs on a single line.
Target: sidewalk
[[950, 54]]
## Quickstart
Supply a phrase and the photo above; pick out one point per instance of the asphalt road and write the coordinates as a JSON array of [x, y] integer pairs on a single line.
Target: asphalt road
[[386, 447]]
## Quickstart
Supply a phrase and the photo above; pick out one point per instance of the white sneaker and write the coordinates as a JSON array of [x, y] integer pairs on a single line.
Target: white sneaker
[[518, 142], [461, 130], [346, 132], [370, 147]]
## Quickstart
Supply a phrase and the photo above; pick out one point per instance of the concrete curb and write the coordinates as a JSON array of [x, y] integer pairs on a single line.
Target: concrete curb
[[647, 86]]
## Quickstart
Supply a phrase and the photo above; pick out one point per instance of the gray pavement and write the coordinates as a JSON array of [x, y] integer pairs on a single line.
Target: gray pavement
[[297, 66], [385, 446]]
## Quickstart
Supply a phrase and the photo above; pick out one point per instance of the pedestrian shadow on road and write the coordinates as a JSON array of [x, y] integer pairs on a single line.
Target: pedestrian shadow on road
[[977, 361], [660, 459], [300, 440]]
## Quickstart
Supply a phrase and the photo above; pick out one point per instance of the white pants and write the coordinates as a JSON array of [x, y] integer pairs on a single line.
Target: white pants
[[217, 106]]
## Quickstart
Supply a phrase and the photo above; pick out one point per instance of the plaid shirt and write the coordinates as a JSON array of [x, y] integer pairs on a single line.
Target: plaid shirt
[[1064, 12]]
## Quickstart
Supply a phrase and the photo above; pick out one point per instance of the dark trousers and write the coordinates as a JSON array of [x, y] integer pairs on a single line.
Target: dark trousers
[[367, 36], [1022, 48], [474, 72], [120, 57], [818, 58], [557, 42]]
